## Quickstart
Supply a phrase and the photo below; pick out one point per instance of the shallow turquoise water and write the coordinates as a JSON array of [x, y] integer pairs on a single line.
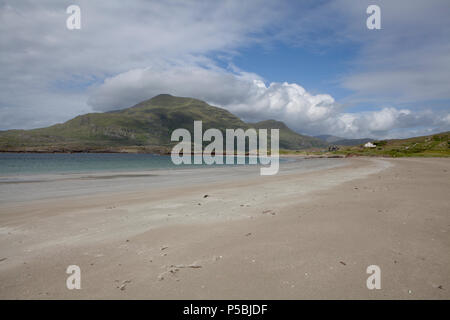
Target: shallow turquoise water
[[42, 163]]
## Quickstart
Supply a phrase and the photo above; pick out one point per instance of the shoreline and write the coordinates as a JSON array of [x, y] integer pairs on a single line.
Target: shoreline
[[253, 237], [104, 182], [43, 176]]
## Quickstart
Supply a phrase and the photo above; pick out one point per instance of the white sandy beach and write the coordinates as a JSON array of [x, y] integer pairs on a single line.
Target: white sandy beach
[[219, 233]]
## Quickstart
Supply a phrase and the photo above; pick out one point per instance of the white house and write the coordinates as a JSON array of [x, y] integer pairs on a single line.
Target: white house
[[370, 145]]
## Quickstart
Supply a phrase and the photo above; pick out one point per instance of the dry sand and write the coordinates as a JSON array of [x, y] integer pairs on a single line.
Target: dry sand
[[298, 235]]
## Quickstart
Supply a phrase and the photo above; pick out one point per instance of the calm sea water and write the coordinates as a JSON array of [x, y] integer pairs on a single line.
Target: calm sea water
[[42, 163]]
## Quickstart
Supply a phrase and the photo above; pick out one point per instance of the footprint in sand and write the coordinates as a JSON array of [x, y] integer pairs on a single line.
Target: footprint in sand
[[173, 269], [271, 212], [123, 286]]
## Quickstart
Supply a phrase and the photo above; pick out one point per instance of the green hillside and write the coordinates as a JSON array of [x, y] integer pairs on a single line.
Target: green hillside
[[437, 145], [145, 127]]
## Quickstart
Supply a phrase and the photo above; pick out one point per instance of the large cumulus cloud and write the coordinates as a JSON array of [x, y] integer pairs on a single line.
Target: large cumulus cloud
[[248, 96]]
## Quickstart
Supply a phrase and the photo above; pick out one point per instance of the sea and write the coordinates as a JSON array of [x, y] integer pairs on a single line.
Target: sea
[[62, 163]]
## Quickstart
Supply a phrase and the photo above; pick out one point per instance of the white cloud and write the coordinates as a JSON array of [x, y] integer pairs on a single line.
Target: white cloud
[[407, 61], [42, 62], [125, 54]]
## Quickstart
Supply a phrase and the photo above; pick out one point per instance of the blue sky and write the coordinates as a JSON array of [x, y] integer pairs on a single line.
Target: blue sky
[[317, 70], [312, 64]]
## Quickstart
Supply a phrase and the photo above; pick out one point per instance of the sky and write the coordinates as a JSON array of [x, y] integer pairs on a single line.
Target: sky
[[312, 64]]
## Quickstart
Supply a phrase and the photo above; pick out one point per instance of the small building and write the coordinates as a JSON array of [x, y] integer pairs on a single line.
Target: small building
[[370, 145]]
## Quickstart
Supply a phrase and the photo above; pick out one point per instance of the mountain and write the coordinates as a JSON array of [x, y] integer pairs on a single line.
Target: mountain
[[328, 138], [145, 127], [342, 141], [289, 139]]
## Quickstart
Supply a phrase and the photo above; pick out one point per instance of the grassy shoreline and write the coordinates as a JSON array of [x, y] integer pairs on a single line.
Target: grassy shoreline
[[437, 145]]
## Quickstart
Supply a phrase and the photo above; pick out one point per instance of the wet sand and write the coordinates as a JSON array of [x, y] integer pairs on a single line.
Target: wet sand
[[229, 233]]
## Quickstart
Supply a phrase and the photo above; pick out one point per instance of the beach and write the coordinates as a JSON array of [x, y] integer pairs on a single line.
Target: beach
[[309, 232]]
